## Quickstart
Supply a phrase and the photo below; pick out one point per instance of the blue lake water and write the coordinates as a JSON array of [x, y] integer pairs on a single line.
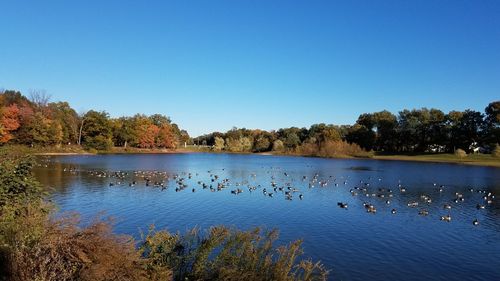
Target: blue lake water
[[353, 243]]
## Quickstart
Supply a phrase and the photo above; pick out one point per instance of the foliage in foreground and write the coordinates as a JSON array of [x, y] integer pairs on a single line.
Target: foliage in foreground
[[227, 254], [36, 246]]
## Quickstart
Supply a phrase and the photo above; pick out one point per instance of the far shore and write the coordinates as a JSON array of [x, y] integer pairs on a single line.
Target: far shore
[[152, 151], [473, 159]]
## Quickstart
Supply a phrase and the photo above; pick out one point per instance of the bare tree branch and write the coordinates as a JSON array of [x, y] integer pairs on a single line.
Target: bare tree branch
[[39, 97]]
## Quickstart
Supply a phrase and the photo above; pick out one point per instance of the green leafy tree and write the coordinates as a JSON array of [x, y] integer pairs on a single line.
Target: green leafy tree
[[262, 143], [56, 133], [291, 140], [124, 132], [469, 128], [362, 136], [452, 127], [492, 124], [160, 120], [385, 126], [63, 114], [97, 130], [35, 130]]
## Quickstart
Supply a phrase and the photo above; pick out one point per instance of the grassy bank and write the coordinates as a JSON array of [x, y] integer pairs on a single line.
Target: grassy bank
[[76, 149], [471, 159], [48, 150]]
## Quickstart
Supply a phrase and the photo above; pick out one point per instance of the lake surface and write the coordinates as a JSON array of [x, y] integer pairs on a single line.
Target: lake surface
[[353, 243]]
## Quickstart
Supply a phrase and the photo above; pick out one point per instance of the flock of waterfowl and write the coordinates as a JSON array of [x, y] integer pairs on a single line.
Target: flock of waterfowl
[[280, 183]]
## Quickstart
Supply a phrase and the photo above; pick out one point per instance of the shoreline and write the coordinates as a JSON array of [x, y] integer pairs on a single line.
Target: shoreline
[[427, 158], [480, 163]]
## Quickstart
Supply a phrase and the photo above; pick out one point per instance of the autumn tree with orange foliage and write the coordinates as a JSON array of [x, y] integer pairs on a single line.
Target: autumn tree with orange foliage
[[147, 135], [166, 137], [9, 121]]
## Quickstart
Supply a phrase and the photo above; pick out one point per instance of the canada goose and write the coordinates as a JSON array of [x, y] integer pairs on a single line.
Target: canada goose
[[446, 218], [423, 212], [342, 205], [412, 204], [237, 191], [475, 222], [370, 208]]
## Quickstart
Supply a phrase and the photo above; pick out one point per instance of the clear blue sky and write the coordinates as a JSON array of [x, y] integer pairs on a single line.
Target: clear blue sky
[[211, 65]]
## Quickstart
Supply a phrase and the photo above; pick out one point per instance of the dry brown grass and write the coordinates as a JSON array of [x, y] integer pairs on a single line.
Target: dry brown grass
[[228, 254], [65, 251], [68, 252]]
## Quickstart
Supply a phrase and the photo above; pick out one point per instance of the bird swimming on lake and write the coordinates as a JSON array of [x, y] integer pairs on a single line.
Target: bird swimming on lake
[[423, 212], [286, 187], [412, 204], [342, 205], [370, 208], [446, 218]]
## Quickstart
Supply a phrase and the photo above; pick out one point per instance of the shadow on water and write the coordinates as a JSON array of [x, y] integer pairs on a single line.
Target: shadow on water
[[360, 168]]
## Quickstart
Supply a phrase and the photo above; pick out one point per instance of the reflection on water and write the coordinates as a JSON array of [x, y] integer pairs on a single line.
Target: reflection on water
[[405, 239]]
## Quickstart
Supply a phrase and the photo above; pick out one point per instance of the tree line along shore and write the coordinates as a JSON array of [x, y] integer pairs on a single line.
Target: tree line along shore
[[54, 127]]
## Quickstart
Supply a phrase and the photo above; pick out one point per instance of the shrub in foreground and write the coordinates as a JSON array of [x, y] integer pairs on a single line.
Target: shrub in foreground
[[227, 254], [67, 252]]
